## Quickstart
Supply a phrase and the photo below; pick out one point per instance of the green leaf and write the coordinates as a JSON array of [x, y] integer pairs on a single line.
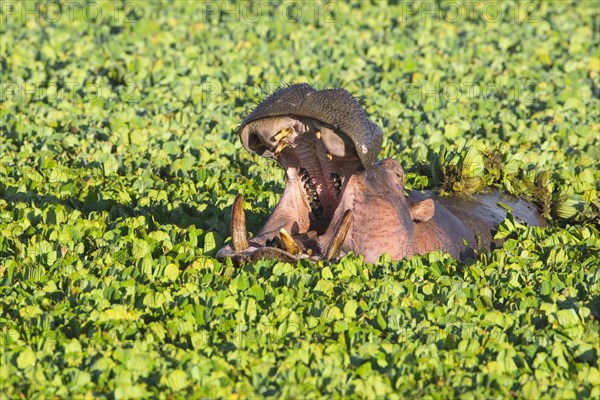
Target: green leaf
[[26, 358], [140, 249], [350, 309], [567, 317], [171, 271], [177, 380], [212, 242]]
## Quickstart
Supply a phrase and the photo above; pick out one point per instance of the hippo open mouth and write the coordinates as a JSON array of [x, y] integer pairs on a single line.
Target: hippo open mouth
[[318, 163], [302, 129], [339, 199]]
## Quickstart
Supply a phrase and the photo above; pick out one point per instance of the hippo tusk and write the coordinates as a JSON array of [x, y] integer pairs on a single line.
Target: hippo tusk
[[283, 133], [288, 242], [280, 147], [340, 235], [238, 225]]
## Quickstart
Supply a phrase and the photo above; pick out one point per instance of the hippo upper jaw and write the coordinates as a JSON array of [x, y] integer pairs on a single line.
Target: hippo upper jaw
[[336, 108]]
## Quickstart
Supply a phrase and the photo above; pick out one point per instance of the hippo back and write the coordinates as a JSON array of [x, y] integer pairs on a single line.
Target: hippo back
[[483, 215]]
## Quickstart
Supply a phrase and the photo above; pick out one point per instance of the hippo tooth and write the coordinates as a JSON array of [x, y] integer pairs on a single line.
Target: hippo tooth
[[329, 156], [288, 242], [282, 133], [280, 146], [336, 181], [318, 134], [238, 225], [340, 235]]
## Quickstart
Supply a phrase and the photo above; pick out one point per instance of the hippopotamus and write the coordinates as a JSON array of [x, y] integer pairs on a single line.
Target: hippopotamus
[[339, 198]]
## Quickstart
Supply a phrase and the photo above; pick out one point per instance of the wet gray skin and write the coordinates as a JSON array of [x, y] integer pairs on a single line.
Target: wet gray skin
[[338, 199]]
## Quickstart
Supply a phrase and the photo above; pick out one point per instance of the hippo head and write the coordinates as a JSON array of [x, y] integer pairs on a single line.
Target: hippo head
[[337, 198]]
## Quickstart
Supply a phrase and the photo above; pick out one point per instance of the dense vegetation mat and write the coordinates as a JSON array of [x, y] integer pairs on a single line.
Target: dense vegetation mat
[[119, 162]]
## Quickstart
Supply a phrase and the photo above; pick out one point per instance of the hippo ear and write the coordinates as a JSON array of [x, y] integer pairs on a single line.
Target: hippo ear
[[422, 211]]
